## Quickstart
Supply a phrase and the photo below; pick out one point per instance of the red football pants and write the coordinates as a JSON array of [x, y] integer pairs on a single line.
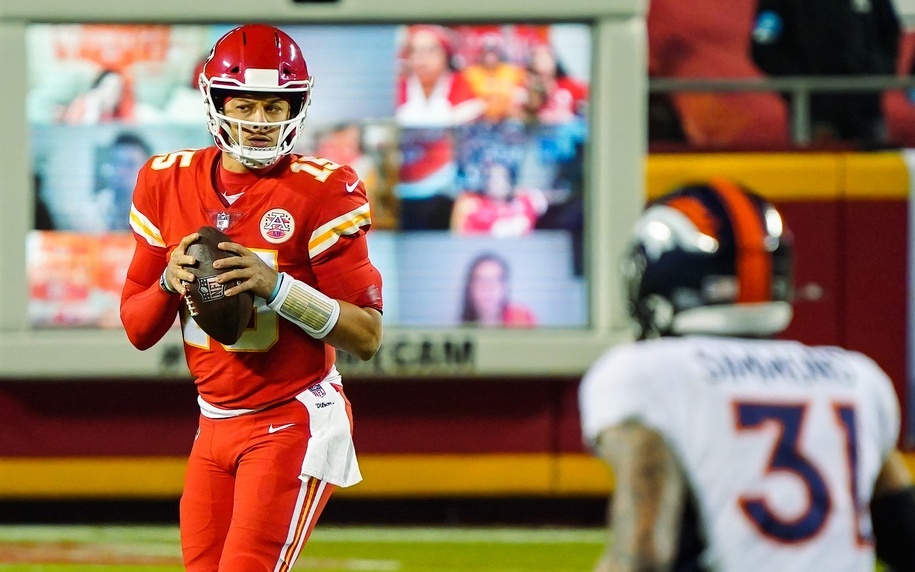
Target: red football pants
[[245, 507]]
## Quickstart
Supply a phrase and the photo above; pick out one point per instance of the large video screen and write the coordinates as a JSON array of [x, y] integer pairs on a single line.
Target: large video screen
[[470, 140]]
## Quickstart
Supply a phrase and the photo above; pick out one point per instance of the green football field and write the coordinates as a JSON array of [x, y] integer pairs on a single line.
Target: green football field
[[331, 549]]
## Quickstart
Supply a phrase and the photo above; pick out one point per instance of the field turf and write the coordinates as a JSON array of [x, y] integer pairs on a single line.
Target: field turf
[[40, 548]]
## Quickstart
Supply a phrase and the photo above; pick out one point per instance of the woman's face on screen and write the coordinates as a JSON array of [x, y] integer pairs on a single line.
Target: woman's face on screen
[[426, 56], [488, 290]]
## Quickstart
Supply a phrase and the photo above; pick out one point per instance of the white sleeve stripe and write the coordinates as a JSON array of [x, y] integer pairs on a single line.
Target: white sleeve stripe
[[145, 228], [328, 234]]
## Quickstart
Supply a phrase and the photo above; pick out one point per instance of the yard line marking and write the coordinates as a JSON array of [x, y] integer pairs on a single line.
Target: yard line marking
[[460, 535], [363, 564]]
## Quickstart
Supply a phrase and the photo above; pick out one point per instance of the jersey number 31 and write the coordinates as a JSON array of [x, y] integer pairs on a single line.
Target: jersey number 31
[[788, 458]]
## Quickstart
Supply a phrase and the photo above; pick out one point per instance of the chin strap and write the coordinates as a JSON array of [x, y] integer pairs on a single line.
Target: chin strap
[[251, 164]]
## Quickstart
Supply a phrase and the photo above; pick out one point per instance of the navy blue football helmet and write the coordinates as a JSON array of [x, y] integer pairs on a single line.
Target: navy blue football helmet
[[710, 258]]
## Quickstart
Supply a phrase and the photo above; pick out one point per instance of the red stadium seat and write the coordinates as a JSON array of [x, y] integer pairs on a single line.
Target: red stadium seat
[[711, 39]]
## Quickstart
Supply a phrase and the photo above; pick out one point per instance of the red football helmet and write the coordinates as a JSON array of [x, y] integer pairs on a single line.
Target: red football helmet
[[261, 59]]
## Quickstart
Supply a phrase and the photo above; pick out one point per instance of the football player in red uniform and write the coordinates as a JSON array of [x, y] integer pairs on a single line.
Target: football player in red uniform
[[275, 434]]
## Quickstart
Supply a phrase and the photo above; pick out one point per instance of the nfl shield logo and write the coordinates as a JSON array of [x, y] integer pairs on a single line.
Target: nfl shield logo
[[210, 289], [317, 391], [222, 221]]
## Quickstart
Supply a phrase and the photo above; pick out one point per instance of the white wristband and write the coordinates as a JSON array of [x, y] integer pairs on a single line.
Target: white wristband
[[164, 285], [309, 309]]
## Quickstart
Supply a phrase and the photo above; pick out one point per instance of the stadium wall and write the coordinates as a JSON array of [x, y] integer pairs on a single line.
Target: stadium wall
[[478, 437]]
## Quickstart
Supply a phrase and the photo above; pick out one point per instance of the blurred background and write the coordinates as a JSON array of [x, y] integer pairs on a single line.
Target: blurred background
[[810, 103]]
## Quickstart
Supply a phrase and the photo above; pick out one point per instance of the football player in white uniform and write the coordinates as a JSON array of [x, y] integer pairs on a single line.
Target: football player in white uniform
[[732, 451]]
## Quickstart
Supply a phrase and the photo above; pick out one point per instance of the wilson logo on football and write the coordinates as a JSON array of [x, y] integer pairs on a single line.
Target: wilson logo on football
[[277, 226]]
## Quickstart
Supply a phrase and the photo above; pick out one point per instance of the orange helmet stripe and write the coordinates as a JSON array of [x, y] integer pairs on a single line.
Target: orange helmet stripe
[[697, 213], [754, 263]]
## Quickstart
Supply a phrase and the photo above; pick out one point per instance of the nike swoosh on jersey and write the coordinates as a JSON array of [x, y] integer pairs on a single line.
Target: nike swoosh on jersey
[[350, 187], [273, 429], [232, 198]]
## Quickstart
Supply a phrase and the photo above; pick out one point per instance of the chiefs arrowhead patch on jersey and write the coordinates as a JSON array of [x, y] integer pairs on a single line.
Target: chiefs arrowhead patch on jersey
[[223, 317]]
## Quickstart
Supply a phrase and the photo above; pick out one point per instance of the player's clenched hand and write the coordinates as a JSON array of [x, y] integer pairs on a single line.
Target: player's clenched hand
[[175, 272], [247, 267]]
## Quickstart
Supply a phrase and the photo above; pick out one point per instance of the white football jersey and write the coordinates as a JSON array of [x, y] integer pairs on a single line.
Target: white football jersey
[[781, 443]]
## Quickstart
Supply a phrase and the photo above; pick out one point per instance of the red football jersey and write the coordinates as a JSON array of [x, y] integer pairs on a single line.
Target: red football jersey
[[308, 217], [516, 217]]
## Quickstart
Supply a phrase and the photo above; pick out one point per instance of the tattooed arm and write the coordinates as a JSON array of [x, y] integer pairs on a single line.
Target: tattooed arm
[[647, 504]]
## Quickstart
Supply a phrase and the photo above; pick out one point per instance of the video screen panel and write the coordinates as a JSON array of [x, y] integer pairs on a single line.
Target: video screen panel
[[470, 141]]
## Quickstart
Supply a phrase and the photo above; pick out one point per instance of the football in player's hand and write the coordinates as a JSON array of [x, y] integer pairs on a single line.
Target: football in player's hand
[[223, 317]]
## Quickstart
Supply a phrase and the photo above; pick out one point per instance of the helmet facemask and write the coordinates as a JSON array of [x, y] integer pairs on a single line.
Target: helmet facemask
[[221, 126]]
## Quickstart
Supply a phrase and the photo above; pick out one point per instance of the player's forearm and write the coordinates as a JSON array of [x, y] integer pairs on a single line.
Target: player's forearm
[[644, 535], [147, 313], [618, 563], [344, 325], [357, 332], [647, 502], [635, 550]]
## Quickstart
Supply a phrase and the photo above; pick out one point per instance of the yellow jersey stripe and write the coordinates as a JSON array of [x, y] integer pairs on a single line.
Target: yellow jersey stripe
[[328, 234], [145, 228]]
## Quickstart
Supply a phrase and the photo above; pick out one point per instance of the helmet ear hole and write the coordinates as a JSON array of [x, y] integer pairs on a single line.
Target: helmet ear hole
[[219, 98], [296, 101]]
